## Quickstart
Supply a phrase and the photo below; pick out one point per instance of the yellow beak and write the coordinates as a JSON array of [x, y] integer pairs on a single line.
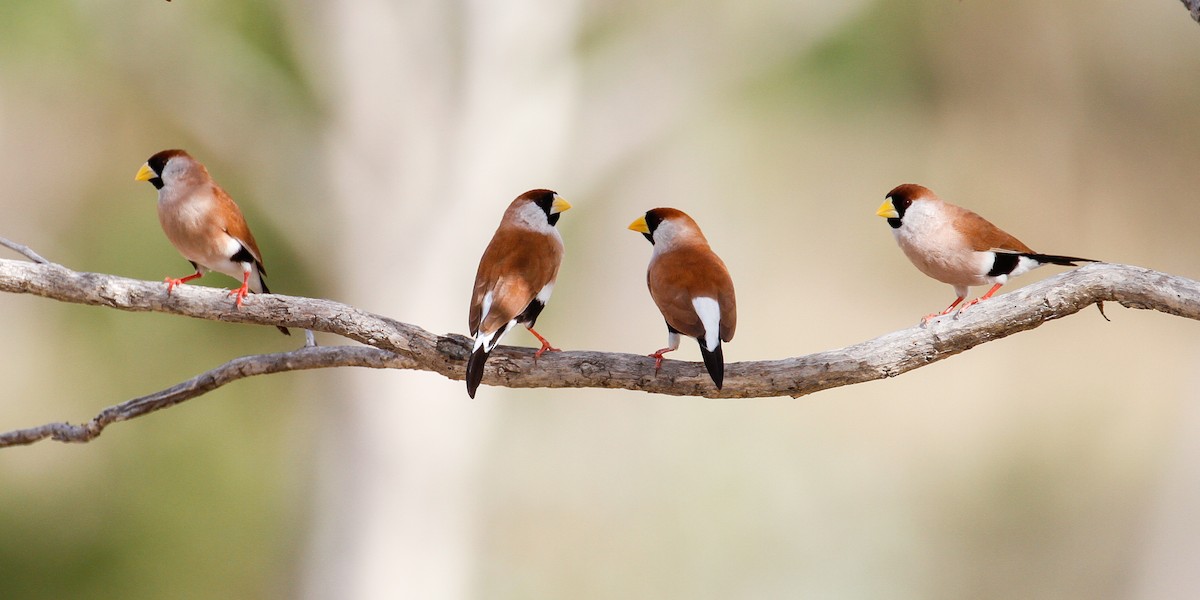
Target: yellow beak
[[559, 205], [144, 173], [887, 210], [640, 225]]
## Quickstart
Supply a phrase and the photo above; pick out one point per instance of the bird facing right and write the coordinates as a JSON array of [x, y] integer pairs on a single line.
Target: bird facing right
[[956, 246], [516, 276], [690, 285]]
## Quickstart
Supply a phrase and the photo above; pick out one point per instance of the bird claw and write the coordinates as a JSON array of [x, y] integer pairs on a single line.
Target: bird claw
[[174, 281], [966, 306], [658, 359], [241, 294], [546, 347]]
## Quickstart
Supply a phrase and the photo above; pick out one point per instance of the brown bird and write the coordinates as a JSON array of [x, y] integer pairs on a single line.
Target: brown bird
[[690, 285], [203, 223], [956, 246], [516, 276]]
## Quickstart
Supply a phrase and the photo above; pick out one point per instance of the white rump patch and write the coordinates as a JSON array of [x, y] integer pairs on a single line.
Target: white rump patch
[[1024, 265], [482, 338], [672, 341], [543, 296], [710, 315], [489, 341], [485, 340]]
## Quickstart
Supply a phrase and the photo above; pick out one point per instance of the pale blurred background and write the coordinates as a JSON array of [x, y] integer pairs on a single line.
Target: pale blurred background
[[373, 146]]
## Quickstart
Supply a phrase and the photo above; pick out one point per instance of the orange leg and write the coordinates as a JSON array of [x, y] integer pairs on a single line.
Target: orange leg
[[545, 345], [172, 282], [243, 291], [981, 298], [927, 317], [658, 357]]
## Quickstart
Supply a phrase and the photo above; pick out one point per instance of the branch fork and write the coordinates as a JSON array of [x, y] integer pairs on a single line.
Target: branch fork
[[391, 344]]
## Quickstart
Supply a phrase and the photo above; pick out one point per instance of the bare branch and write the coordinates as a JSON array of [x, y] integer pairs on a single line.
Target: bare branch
[[239, 368], [885, 356], [411, 347], [23, 249]]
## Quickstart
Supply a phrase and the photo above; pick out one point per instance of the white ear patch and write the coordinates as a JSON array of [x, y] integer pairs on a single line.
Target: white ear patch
[[710, 315]]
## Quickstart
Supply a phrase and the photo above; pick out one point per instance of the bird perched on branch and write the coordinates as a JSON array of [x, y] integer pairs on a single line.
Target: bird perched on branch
[[516, 276], [203, 223], [690, 285], [956, 246]]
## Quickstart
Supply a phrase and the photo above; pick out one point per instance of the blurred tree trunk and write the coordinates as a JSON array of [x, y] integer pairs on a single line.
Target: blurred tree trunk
[[1165, 565], [427, 144]]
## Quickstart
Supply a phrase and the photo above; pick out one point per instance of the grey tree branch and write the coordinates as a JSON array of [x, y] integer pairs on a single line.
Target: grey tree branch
[[411, 347], [239, 368]]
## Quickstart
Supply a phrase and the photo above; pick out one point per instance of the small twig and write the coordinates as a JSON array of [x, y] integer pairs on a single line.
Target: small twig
[[247, 366], [23, 249]]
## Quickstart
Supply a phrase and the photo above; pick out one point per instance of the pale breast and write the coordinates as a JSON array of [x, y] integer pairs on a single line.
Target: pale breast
[[941, 252], [966, 268], [190, 228]]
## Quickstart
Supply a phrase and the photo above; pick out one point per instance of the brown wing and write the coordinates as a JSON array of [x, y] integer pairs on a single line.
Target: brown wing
[[516, 265], [728, 302], [230, 218], [984, 236], [676, 277]]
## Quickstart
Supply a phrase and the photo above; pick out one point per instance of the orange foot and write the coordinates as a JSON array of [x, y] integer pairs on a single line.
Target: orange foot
[[929, 317], [658, 358], [970, 304], [241, 294], [172, 282], [981, 298], [546, 347], [243, 291]]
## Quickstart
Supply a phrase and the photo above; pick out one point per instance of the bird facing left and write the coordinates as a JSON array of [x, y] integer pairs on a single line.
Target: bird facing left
[[690, 285], [204, 224], [956, 246]]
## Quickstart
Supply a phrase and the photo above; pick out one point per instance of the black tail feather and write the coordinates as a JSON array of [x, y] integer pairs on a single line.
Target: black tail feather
[[715, 362], [1054, 259], [475, 370]]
